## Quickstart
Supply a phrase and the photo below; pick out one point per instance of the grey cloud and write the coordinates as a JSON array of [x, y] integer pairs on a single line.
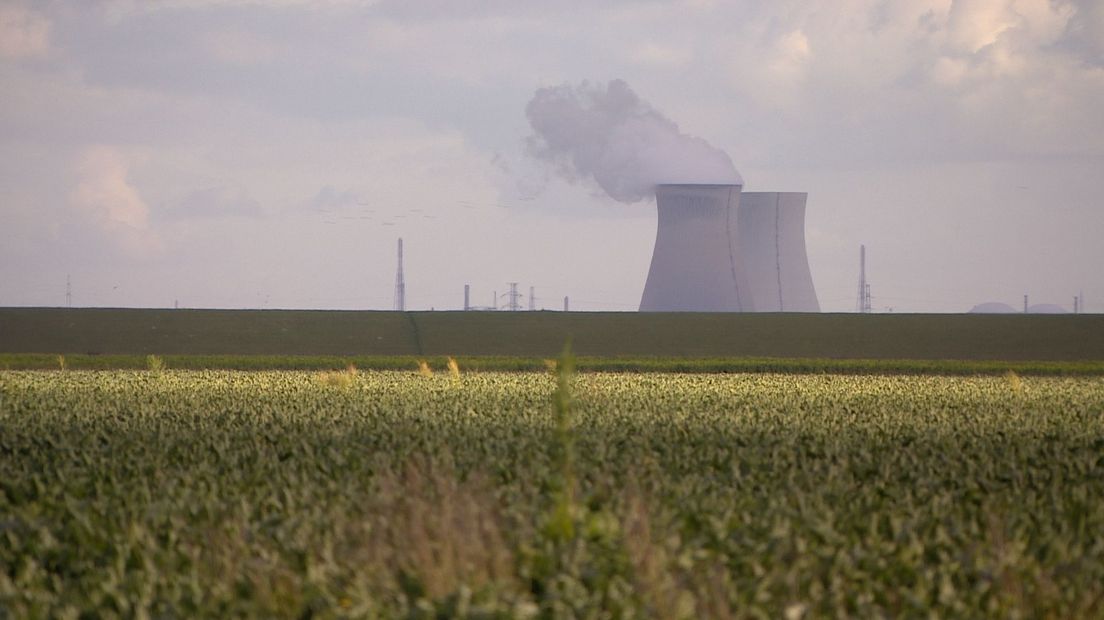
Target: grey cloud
[[1085, 33], [329, 198], [218, 201], [318, 66], [436, 10]]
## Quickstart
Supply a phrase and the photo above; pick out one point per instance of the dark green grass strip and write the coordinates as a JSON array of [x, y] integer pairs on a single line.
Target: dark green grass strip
[[535, 335], [40, 361]]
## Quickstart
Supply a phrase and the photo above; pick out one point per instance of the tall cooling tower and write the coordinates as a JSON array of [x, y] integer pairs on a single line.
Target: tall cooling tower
[[770, 232], [696, 265], [720, 250]]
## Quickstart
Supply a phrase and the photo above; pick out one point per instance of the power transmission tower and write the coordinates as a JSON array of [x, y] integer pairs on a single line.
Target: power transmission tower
[[68, 292], [400, 284], [513, 298]]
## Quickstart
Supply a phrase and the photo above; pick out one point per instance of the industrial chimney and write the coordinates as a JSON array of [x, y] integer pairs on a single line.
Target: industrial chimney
[[719, 250]]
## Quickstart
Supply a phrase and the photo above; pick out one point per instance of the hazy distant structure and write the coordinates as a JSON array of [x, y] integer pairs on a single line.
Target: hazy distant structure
[[996, 307], [863, 303], [513, 298], [565, 304], [716, 252], [400, 283], [992, 307], [532, 299], [68, 292], [1047, 309], [469, 307]]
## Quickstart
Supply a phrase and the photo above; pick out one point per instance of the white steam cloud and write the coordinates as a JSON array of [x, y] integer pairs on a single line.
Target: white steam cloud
[[609, 134]]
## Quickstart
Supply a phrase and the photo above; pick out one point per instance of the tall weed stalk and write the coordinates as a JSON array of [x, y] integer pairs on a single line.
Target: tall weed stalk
[[561, 526]]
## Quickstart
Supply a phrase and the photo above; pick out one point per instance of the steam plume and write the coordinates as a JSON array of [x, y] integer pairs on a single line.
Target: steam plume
[[608, 134]]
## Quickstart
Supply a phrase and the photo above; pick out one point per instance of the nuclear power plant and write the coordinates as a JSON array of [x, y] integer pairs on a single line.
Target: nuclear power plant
[[721, 250]]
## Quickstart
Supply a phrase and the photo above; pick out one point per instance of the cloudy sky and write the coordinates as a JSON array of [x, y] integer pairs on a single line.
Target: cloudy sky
[[235, 153]]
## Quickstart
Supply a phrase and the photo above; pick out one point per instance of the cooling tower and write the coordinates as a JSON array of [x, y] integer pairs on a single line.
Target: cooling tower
[[720, 250], [770, 232], [695, 265]]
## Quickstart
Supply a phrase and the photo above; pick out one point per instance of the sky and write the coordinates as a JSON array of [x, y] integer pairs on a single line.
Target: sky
[[248, 154]]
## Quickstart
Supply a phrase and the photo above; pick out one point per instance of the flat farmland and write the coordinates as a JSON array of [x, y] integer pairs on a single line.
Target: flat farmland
[[106, 331], [548, 494]]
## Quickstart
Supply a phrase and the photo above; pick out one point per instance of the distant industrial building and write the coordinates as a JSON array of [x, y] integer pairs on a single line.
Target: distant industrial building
[[996, 307], [992, 307], [1047, 309]]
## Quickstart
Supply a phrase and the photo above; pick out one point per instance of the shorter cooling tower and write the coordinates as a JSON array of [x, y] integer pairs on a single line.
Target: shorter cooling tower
[[720, 250], [695, 265], [771, 236]]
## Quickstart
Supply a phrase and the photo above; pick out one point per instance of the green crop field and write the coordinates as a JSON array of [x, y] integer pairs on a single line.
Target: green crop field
[[173, 493]]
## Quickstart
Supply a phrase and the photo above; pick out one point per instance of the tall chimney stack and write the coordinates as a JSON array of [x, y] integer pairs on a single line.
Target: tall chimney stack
[[400, 283]]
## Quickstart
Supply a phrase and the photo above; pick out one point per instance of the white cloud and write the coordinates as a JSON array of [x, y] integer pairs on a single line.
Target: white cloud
[[975, 24], [23, 32], [105, 196], [791, 51], [949, 71]]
